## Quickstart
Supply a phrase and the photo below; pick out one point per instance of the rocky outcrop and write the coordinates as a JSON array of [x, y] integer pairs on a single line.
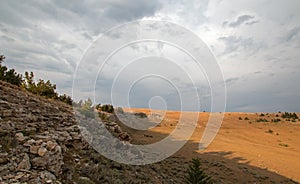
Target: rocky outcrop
[[40, 138], [46, 141]]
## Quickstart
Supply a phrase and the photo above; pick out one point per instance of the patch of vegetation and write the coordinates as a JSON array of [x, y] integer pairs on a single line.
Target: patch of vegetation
[[289, 115], [284, 145], [270, 131], [86, 108], [42, 88], [107, 108], [66, 99], [276, 120], [10, 76], [195, 175], [246, 118], [261, 120], [240, 118], [262, 115]]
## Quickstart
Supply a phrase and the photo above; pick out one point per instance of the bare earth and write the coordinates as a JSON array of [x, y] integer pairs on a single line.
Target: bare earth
[[269, 146]]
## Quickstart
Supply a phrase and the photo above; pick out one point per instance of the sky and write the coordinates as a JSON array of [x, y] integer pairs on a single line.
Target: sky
[[255, 44]]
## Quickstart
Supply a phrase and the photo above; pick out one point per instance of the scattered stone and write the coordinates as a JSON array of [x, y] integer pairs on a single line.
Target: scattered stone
[[47, 176], [118, 129], [24, 164], [34, 149], [20, 137], [51, 145], [29, 142], [42, 151]]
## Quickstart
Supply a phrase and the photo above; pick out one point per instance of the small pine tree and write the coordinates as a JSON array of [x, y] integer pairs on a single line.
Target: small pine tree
[[196, 175], [87, 108], [65, 98], [10, 76]]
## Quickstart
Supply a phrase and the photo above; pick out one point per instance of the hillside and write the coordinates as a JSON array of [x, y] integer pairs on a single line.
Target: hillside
[[42, 143], [243, 137]]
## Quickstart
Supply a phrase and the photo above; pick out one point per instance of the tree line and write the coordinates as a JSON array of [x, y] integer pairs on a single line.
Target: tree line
[[41, 87]]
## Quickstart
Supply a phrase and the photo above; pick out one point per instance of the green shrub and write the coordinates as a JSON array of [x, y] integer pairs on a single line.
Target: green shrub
[[246, 118], [10, 76], [140, 115], [86, 108], [65, 98], [107, 108], [98, 107], [195, 175], [275, 120], [240, 118], [41, 88], [270, 131], [261, 120], [289, 115]]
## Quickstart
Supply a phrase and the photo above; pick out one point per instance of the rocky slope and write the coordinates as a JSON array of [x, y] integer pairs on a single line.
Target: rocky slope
[[41, 143]]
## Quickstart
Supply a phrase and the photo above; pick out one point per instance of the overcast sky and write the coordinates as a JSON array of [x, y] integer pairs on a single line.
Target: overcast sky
[[255, 42]]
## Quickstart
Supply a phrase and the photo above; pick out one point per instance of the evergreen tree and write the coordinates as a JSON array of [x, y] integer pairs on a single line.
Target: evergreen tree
[[196, 175], [10, 76]]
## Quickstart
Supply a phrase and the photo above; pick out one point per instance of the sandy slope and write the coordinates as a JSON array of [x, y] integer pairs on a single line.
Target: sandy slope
[[267, 145]]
